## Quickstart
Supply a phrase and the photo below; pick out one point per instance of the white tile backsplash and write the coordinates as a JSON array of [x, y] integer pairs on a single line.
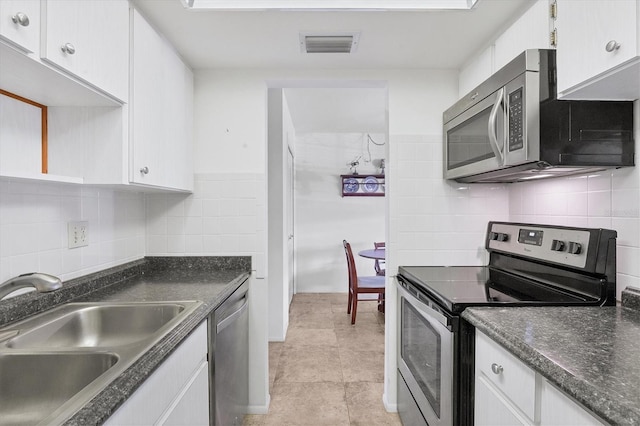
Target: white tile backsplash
[[608, 199], [220, 218], [33, 228], [434, 221]]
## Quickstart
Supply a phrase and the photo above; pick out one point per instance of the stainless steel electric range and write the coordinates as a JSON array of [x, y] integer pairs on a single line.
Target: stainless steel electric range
[[529, 265]]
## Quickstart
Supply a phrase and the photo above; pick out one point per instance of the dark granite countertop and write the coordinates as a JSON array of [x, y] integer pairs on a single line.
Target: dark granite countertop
[[590, 353], [207, 279]]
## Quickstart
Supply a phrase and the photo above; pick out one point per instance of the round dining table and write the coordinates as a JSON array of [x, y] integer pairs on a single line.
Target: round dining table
[[378, 254]]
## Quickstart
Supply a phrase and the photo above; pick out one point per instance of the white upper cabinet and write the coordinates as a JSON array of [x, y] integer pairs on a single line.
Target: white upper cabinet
[[598, 49], [529, 31], [20, 23], [89, 39], [161, 112]]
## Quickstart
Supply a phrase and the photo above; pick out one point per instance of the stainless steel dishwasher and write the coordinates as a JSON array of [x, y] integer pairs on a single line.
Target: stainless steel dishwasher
[[229, 351]]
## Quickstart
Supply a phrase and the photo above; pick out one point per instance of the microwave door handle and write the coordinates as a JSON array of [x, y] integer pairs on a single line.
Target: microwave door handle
[[493, 131]]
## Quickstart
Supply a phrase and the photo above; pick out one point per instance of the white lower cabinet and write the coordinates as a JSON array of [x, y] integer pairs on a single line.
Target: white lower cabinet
[[557, 409], [507, 392], [177, 393], [493, 408], [187, 410]]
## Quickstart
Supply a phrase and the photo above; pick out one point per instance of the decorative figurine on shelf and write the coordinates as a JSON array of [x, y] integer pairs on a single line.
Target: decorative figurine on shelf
[[379, 163], [353, 165]]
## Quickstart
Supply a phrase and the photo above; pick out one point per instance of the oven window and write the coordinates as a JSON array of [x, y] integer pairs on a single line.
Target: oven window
[[468, 142], [421, 351]]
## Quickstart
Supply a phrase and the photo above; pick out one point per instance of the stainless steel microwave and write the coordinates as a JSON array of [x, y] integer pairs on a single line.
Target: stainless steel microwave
[[512, 128]]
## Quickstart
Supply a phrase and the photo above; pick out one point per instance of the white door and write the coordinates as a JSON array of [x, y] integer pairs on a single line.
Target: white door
[[290, 217]]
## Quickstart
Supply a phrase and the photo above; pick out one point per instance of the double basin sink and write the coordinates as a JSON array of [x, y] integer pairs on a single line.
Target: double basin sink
[[53, 363]]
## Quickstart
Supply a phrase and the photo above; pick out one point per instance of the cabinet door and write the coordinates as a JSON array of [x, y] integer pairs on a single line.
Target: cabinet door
[[162, 391], [20, 138], [90, 39], [161, 114], [584, 30], [192, 406], [557, 409], [492, 408], [20, 23]]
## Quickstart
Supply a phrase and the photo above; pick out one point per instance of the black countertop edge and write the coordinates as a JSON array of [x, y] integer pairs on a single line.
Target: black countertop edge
[[609, 409], [25, 305], [182, 263], [103, 405]]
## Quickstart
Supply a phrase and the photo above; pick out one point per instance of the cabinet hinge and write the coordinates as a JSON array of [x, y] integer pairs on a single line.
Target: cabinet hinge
[[553, 38], [553, 10]]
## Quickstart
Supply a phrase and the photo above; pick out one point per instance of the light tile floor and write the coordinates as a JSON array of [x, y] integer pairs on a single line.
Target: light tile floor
[[327, 371]]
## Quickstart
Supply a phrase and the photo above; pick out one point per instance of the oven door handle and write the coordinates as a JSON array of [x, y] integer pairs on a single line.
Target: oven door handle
[[411, 294]]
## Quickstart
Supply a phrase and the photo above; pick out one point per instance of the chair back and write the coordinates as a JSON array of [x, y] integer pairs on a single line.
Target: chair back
[[379, 263], [351, 267]]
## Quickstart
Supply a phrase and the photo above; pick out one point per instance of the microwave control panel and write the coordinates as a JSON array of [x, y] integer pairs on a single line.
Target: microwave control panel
[[516, 120]]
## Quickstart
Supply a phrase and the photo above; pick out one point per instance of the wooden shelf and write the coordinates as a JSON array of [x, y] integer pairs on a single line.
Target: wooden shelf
[[362, 185]]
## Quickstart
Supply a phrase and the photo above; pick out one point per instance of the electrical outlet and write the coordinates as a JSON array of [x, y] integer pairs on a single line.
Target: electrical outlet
[[78, 234]]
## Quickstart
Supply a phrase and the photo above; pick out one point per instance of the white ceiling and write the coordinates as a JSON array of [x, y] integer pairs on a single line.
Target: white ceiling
[[270, 39], [390, 40]]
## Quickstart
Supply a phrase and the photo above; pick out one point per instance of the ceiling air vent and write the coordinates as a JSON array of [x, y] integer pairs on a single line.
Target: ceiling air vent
[[329, 43]]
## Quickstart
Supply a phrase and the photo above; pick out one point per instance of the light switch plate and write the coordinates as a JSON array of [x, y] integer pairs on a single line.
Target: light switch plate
[[78, 234]]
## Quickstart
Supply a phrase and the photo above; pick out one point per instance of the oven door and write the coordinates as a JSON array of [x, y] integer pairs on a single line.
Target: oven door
[[425, 357], [474, 141]]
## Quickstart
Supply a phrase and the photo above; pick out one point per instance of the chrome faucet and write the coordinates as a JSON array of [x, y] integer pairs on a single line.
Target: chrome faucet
[[43, 283]]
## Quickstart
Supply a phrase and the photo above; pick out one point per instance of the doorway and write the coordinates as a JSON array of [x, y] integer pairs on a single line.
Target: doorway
[[316, 130]]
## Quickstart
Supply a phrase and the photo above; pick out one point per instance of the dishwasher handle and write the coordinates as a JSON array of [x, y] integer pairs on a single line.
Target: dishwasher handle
[[229, 319]]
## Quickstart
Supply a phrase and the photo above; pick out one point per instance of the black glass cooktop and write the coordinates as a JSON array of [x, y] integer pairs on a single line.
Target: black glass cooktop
[[458, 287]]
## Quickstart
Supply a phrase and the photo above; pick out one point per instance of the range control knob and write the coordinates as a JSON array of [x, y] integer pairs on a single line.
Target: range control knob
[[503, 237], [557, 245], [493, 236], [574, 248]]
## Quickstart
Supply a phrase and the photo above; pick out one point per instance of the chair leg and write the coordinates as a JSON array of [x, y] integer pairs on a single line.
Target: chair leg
[[354, 309], [349, 305]]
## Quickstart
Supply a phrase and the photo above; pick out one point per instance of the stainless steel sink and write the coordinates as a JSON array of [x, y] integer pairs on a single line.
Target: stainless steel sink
[[93, 325], [34, 385], [53, 363]]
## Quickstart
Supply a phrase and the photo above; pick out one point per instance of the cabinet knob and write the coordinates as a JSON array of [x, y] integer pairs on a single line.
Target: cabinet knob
[[612, 45], [20, 18], [68, 48], [497, 369], [144, 170]]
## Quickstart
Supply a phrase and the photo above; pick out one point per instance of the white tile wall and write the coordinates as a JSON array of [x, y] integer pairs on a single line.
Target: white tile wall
[[224, 217], [433, 221], [33, 228], [323, 218], [609, 199]]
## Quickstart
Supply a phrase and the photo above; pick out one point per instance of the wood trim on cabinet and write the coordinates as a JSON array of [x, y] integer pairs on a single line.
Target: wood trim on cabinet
[[44, 125]]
